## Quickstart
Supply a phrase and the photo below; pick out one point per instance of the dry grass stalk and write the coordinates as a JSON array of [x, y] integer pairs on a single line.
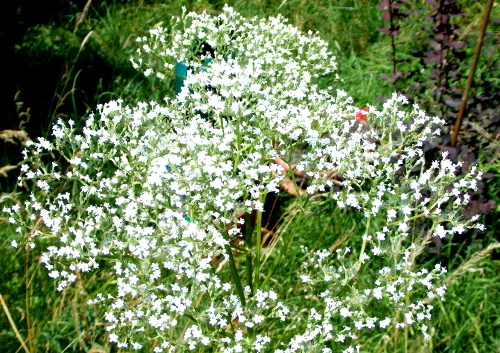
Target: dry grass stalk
[[83, 15], [6, 168], [289, 187], [469, 265], [341, 240], [13, 324], [14, 135], [494, 143], [486, 135]]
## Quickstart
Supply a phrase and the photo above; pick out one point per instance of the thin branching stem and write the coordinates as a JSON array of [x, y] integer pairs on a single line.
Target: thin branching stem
[[477, 52], [13, 324]]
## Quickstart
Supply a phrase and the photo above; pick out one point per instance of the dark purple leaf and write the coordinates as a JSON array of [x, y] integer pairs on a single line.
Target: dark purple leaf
[[385, 30], [457, 45], [443, 18], [476, 207], [384, 5], [455, 74], [437, 92], [436, 45], [386, 16], [433, 58], [397, 76], [439, 37], [453, 103], [385, 77]]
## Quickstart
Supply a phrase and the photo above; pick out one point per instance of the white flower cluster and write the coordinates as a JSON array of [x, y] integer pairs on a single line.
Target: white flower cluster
[[358, 309], [155, 193], [259, 45]]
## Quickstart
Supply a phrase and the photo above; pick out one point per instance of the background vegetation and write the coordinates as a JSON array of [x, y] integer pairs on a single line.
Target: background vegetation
[[66, 57]]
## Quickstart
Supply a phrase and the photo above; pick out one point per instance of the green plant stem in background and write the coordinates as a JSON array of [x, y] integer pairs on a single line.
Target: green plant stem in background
[[249, 229], [258, 243], [477, 53], [365, 241], [235, 275], [28, 296], [13, 324]]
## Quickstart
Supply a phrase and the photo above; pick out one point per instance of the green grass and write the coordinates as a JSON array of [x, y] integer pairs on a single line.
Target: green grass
[[47, 320], [466, 321]]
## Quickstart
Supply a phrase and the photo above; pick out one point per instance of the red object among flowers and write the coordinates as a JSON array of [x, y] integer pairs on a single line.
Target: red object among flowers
[[362, 113], [361, 116]]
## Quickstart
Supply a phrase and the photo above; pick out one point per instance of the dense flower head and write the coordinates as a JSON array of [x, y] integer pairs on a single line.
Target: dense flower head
[[155, 192], [269, 44]]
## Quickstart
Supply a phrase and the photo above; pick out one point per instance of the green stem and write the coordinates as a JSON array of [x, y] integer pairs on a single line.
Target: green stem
[[346, 286], [365, 240], [406, 333], [258, 242], [344, 289], [248, 239], [236, 276], [238, 148]]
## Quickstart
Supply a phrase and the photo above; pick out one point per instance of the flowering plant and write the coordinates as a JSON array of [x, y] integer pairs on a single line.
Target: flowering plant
[[156, 192]]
